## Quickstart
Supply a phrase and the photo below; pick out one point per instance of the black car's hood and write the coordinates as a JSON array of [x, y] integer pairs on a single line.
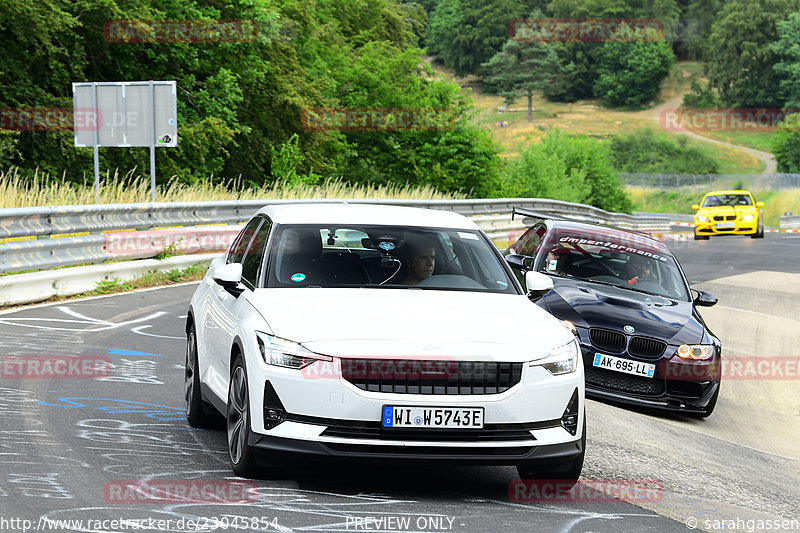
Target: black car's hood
[[590, 304]]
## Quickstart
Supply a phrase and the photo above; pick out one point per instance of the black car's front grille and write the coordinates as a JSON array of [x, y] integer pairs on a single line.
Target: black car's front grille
[[431, 377], [604, 339], [618, 381], [646, 347]]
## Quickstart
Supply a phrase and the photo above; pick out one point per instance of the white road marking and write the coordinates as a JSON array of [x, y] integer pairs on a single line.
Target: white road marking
[[138, 329]]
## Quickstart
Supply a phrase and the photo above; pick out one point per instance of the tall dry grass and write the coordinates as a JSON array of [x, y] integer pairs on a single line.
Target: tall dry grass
[[18, 190]]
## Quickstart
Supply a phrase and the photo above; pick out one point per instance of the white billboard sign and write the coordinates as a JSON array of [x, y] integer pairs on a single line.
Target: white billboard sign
[[126, 113]]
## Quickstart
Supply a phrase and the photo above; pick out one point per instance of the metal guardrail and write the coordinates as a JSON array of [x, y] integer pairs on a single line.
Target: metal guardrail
[[790, 222], [105, 222]]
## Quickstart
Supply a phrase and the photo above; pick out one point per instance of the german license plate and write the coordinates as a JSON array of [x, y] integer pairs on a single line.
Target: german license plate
[[626, 366], [725, 224], [403, 416]]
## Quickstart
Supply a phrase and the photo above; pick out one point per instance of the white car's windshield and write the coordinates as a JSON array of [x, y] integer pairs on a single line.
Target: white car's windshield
[[386, 257]]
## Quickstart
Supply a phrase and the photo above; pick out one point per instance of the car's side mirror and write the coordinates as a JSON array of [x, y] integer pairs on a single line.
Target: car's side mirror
[[228, 277], [518, 262], [704, 299], [537, 284], [696, 207], [759, 204]]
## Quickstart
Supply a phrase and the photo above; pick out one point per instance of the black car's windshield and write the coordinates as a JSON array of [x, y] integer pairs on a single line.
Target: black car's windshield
[[384, 257], [718, 200], [624, 260]]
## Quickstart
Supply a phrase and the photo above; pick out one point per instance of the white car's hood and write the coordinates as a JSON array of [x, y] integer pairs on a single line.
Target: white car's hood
[[411, 323]]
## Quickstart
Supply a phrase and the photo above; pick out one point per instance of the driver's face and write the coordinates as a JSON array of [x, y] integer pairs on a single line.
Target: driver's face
[[422, 263]]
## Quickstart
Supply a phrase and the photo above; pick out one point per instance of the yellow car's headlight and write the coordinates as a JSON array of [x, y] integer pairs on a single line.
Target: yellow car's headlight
[[702, 218], [748, 217]]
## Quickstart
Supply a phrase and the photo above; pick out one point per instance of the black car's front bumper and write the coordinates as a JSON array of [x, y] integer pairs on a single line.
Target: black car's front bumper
[[678, 393], [663, 403]]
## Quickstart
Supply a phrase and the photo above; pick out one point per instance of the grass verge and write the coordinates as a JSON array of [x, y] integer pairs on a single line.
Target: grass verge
[[18, 190]]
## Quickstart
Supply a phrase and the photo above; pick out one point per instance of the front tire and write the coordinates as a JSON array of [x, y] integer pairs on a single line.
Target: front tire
[[700, 237], [199, 414], [759, 234], [567, 477], [238, 425]]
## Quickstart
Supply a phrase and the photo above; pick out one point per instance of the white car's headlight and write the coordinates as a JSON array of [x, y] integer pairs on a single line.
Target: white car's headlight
[[702, 218], [288, 354], [562, 359], [748, 217], [570, 326], [696, 351]]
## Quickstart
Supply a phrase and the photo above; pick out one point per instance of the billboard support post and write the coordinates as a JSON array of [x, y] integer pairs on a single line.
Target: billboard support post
[[96, 151], [152, 143]]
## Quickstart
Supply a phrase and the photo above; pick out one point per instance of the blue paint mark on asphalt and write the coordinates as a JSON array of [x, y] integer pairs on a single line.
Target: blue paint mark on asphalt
[[116, 351], [163, 413]]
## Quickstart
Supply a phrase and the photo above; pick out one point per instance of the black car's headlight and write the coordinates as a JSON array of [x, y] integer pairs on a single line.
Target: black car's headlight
[[561, 359], [570, 326], [285, 353], [696, 351]]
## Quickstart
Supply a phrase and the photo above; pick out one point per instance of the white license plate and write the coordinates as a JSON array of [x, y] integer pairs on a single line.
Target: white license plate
[[401, 416], [725, 224], [626, 366]]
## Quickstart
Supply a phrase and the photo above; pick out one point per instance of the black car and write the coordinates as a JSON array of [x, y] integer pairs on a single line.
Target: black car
[[628, 301]]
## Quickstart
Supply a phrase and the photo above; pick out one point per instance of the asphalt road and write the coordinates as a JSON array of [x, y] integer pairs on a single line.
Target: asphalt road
[[65, 444]]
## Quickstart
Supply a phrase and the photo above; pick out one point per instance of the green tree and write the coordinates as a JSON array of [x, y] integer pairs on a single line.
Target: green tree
[[630, 74], [566, 167], [593, 60], [523, 67], [786, 144], [646, 151], [787, 67], [740, 57], [698, 18], [466, 33]]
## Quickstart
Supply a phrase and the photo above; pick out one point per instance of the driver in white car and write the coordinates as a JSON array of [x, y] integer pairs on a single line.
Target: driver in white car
[[420, 261]]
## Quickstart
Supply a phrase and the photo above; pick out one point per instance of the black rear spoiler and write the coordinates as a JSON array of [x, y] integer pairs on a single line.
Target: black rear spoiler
[[537, 214]]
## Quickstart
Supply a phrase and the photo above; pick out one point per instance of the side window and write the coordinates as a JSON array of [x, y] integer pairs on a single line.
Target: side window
[[529, 242], [254, 254], [239, 245]]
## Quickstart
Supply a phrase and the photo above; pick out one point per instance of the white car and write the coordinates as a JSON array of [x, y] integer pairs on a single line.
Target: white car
[[381, 333]]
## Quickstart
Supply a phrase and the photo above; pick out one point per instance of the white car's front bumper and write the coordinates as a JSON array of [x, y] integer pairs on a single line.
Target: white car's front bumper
[[321, 413]]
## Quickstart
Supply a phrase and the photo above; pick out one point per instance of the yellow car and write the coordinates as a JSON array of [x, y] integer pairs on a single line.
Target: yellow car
[[728, 213]]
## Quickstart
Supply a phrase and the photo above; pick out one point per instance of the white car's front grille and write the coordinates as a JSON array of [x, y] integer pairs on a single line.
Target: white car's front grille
[[437, 377]]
